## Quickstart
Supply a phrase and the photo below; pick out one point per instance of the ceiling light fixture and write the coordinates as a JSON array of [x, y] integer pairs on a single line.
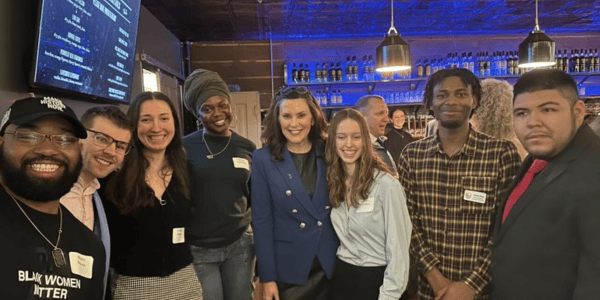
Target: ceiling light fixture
[[393, 54], [537, 50]]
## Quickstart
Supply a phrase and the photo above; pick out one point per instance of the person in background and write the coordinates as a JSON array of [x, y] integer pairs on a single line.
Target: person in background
[[149, 208], [48, 253], [221, 161], [295, 242], [494, 116], [546, 238], [103, 151], [369, 215], [398, 137], [375, 111], [453, 182]]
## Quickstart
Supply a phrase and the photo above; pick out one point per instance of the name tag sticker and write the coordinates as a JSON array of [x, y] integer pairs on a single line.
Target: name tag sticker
[[241, 163], [82, 265], [474, 196], [179, 235], [366, 206]]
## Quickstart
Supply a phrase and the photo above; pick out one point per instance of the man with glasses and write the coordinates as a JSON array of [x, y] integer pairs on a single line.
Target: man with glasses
[[103, 151], [48, 253]]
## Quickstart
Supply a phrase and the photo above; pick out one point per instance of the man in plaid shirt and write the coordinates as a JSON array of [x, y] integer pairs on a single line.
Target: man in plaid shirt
[[453, 181]]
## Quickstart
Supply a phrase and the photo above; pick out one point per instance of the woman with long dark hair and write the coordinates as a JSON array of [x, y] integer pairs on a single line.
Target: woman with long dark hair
[[295, 242], [369, 214], [149, 208]]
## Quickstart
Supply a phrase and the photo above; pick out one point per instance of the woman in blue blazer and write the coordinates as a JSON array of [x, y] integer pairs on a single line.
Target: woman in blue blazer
[[295, 241]]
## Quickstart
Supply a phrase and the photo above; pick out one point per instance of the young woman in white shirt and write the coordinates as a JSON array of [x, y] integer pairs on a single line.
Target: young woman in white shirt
[[369, 215]]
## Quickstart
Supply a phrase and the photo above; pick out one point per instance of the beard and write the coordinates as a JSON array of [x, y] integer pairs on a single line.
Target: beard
[[450, 124], [37, 189]]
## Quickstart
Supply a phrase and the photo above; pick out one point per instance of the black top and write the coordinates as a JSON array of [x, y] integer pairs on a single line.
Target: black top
[[306, 165], [28, 270], [220, 188], [397, 139], [143, 244]]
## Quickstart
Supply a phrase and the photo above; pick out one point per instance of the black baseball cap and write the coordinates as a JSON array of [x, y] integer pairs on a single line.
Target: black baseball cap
[[27, 110]]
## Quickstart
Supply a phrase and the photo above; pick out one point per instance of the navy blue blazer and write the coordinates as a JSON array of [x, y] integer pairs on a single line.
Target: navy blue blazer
[[290, 229]]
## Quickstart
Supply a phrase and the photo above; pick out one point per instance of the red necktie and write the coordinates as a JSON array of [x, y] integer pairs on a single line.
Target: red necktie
[[537, 166]]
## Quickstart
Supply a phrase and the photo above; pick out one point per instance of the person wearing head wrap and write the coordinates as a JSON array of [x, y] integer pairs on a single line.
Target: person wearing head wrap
[[220, 162]]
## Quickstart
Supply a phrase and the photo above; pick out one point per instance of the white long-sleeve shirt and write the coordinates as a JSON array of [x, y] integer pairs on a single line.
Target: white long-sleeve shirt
[[377, 233]]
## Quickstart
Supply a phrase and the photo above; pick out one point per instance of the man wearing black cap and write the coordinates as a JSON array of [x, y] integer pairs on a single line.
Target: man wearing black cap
[[48, 253]]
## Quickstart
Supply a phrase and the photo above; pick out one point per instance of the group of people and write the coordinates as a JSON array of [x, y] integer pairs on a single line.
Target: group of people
[[122, 206]]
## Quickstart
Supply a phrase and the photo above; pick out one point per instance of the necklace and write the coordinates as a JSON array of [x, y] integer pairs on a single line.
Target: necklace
[[57, 253], [399, 132], [211, 155]]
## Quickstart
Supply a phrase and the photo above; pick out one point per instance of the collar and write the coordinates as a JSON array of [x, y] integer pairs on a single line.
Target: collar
[[383, 138], [468, 148], [78, 186]]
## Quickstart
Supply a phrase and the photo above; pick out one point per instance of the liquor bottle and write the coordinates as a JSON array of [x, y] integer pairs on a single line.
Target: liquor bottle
[[420, 68], [481, 64], [354, 68], [488, 64], [503, 66], [332, 72], [300, 73], [559, 60], [371, 68], [427, 68], [510, 70], [339, 72], [365, 68], [348, 69], [435, 65], [576, 62], [596, 61], [295, 76], [318, 72], [565, 63], [582, 60], [471, 62]]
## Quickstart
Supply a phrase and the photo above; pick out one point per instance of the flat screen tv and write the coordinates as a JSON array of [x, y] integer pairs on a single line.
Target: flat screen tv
[[87, 47]]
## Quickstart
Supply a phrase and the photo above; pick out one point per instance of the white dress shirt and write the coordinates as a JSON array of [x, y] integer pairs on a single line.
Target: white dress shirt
[[377, 233]]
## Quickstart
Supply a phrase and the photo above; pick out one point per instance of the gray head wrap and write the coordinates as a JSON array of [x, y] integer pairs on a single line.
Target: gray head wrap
[[201, 85]]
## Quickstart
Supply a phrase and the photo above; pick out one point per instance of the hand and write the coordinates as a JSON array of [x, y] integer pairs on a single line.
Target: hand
[[270, 291], [457, 290], [437, 281]]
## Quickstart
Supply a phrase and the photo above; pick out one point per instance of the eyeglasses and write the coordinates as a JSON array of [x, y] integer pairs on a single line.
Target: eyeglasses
[[105, 140], [286, 91], [34, 139]]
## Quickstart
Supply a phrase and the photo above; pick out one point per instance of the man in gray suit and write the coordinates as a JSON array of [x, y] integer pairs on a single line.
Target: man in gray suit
[[546, 243]]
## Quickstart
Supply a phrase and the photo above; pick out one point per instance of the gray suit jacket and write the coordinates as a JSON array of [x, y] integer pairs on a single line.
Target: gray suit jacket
[[549, 245]]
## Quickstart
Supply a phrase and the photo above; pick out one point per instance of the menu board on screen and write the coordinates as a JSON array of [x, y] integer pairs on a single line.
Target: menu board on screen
[[87, 46]]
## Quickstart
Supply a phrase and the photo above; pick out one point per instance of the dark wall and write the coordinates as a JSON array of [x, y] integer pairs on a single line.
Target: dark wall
[[18, 22]]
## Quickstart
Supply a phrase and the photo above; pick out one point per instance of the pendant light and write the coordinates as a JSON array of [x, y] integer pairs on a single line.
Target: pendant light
[[393, 54], [537, 50]]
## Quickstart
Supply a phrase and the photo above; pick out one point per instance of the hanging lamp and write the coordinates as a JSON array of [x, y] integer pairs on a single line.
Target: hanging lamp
[[537, 50], [393, 54]]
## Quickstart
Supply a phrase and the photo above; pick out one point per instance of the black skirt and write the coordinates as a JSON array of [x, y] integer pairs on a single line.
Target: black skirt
[[351, 282], [318, 286]]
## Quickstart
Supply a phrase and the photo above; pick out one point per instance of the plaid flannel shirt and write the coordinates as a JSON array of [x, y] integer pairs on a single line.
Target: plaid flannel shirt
[[450, 233]]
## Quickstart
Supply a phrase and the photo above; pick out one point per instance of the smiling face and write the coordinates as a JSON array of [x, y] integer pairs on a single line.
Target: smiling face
[[398, 118], [98, 161], [215, 115], [156, 126], [348, 142], [377, 117], [296, 121], [546, 122], [43, 172], [452, 103]]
